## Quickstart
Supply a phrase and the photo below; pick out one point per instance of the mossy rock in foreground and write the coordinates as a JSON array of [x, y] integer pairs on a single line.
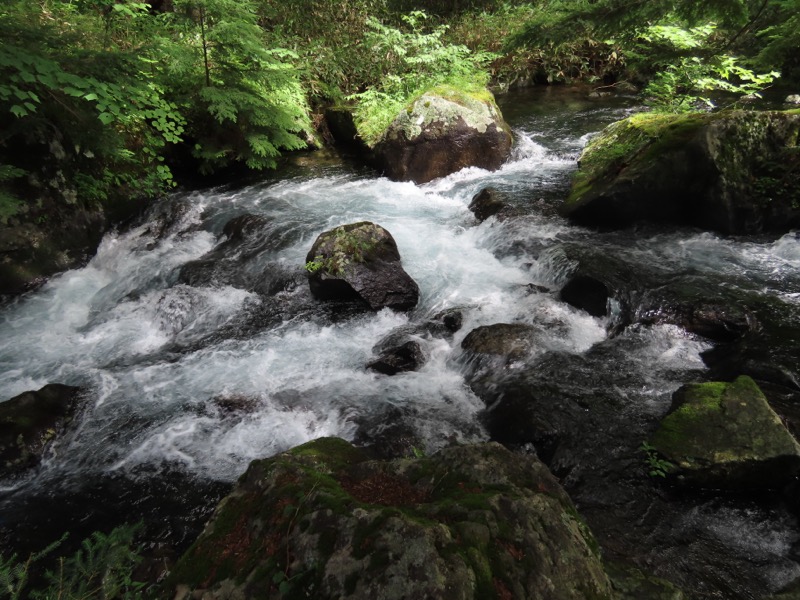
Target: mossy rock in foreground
[[725, 435], [323, 522], [735, 172]]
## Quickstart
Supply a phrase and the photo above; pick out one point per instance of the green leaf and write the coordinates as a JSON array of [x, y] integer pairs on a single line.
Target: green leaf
[[105, 118]]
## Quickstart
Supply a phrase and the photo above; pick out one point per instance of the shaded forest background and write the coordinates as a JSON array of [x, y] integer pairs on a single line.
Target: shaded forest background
[[105, 101]]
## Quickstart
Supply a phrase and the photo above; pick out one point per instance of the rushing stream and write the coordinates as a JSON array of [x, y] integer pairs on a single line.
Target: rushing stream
[[199, 357]]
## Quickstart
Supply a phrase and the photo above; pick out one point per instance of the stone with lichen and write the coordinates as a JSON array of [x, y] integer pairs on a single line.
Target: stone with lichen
[[360, 262], [441, 132], [734, 171], [322, 521], [726, 435]]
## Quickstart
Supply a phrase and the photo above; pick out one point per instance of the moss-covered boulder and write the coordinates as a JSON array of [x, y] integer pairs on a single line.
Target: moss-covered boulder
[[734, 172], [322, 522], [30, 422], [360, 262], [725, 435], [441, 132]]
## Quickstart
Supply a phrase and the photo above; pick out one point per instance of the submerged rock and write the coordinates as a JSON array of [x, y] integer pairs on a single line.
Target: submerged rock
[[239, 260], [734, 172], [321, 521], [726, 435], [486, 203], [405, 357], [30, 422], [441, 132], [360, 261]]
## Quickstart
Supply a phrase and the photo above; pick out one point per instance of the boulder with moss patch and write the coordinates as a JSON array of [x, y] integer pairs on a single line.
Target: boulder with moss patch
[[322, 521], [725, 435], [735, 172], [441, 132], [360, 262]]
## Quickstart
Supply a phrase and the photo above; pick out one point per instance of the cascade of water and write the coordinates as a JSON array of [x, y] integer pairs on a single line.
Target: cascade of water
[[204, 376]]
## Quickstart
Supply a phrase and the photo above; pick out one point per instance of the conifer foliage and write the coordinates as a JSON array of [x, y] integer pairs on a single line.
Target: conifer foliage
[[244, 100]]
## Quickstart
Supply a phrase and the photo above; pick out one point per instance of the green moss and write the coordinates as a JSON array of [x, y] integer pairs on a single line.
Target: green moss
[[642, 137], [702, 400], [338, 249], [464, 93], [333, 452], [482, 570]]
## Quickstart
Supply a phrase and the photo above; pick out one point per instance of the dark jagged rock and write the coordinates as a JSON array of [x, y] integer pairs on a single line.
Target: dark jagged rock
[[386, 434], [716, 321], [31, 421], [726, 435], [406, 357], [486, 203], [734, 172], [446, 323], [586, 293], [360, 261], [167, 218], [31, 252], [441, 132], [470, 522]]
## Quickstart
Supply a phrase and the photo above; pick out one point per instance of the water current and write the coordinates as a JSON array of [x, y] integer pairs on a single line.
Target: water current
[[189, 378]]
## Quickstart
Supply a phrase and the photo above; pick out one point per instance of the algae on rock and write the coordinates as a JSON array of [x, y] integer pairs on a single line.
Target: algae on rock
[[726, 435], [735, 172], [322, 521]]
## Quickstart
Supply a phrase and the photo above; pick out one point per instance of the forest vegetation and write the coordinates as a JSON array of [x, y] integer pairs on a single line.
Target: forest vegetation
[[108, 100]]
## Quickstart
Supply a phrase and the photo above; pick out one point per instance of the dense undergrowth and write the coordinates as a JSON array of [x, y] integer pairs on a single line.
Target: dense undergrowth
[[106, 100]]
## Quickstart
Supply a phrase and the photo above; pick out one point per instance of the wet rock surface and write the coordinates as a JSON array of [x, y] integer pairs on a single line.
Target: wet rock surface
[[467, 522], [360, 261], [241, 260], [30, 422], [586, 293], [409, 356], [487, 203], [441, 134]]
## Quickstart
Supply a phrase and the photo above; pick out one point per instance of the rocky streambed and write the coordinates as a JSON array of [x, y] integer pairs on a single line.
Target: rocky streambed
[[200, 347]]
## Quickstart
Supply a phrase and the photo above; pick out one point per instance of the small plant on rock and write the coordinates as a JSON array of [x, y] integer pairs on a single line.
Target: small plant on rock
[[656, 466]]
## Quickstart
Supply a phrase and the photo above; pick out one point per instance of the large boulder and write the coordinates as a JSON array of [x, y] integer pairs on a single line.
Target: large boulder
[[726, 435], [321, 521], [734, 172], [30, 422], [441, 132], [360, 261]]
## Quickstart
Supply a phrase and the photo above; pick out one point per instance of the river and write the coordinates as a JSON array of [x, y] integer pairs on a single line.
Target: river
[[199, 357]]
